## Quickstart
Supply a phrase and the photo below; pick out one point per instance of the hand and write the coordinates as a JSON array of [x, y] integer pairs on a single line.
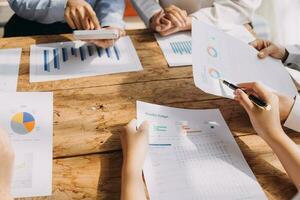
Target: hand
[[177, 16], [267, 48], [80, 15], [6, 165], [175, 29], [108, 43], [135, 145], [265, 123], [159, 23]]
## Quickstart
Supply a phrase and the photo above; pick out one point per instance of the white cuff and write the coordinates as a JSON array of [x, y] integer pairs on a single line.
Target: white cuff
[[293, 120]]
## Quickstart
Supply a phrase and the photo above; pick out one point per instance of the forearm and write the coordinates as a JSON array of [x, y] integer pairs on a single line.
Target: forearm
[[5, 193], [110, 13], [132, 184], [146, 9], [288, 153], [45, 11]]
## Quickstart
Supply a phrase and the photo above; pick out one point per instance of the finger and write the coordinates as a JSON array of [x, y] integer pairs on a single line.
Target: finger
[[267, 51], [93, 16], [174, 19], [244, 100], [257, 44], [169, 31], [83, 19], [157, 21], [131, 126], [69, 19], [182, 19], [166, 24], [144, 127], [258, 88], [75, 19], [92, 27]]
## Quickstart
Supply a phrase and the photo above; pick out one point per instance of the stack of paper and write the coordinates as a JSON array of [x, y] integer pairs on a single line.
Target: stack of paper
[[193, 155]]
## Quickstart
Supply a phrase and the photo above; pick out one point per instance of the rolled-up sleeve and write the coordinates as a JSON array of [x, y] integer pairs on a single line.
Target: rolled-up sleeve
[[225, 13], [110, 13], [293, 120], [146, 9], [43, 11]]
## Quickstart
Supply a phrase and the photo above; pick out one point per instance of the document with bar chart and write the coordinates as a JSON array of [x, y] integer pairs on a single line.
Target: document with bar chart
[[74, 59], [27, 118], [9, 69], [193, 155], [176, 48]]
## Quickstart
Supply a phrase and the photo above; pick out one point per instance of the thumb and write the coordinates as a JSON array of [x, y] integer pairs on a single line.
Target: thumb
[[268, 51], [244, 100], [144, 127]]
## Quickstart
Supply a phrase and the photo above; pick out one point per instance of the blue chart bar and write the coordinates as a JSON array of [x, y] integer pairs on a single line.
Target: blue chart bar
[[90, 50], [65, 54], [99, 51], [182, 47], [56, 59], [108, 52], [74, 51], [117, 52], [82, 53], [46, 61]]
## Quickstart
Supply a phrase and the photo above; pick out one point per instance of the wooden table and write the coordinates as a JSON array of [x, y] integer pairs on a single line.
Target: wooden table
[[90, 112]]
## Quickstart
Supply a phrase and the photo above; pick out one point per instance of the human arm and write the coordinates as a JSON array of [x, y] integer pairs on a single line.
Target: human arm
[[43, 11], [6, 166], [225, 13], [134, 145], [267, 125]]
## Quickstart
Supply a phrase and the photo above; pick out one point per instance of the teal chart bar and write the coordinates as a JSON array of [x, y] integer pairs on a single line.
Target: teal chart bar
[[181, 47], [65, 54]]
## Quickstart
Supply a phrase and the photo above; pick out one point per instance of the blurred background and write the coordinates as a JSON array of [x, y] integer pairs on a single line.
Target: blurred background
[[276, 19]]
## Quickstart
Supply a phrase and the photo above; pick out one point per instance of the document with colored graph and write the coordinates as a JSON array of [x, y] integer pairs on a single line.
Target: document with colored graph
[[217, 55], [193, 155], [27, 118], [74, 59], [177, 48]]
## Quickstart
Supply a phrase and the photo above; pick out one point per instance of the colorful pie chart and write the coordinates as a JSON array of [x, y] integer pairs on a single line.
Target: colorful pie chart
[[212, 52], [22, 123], [215, 74]]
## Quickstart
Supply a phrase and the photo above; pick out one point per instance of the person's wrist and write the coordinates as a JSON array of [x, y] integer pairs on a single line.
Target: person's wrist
[[274, 135], [130, 168], [5, 192]]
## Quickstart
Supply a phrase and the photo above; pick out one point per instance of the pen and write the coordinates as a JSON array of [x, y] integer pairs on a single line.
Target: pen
[[257, 101]]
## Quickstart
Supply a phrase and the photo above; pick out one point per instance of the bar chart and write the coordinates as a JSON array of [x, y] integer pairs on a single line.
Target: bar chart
[[64, 54], [75, 59], [181, 47], [177, 48]]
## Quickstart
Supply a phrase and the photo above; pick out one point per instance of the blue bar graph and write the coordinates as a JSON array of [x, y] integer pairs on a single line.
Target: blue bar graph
[[108, 52], [82, 53], [99, 51], [181, 47], [46, 61], [56, 59], [65, 54]]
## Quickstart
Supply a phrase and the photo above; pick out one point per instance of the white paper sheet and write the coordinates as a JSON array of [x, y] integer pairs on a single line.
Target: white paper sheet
[[177, 48], [28, 119], [9, 69], [217, 55], [64, 60], [295, 74], [192, 155]]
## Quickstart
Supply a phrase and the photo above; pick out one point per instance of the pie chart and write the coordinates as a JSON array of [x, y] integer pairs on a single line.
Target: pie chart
[[22, 123]]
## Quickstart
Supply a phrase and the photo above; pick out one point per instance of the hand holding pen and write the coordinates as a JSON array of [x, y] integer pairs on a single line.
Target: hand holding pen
[[260, 103]]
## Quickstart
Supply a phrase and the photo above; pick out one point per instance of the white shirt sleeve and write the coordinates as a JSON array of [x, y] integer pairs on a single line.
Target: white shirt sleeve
[[294, 55], [225, 13], [146, 9], [293, 120]]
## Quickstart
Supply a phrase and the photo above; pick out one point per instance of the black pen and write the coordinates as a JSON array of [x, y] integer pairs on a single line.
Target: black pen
[[257, 101]]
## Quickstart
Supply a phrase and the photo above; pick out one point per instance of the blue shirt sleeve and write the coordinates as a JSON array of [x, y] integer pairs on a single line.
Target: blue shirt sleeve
[[43, 11], [110, 13]]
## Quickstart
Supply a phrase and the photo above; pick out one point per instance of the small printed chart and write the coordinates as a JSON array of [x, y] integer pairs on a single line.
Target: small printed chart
[[22, 123]]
